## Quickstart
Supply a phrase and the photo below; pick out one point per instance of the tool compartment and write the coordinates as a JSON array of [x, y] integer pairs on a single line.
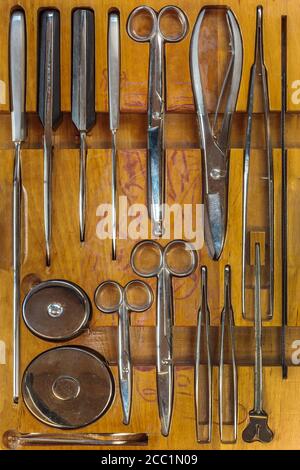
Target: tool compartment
[[90, 264]]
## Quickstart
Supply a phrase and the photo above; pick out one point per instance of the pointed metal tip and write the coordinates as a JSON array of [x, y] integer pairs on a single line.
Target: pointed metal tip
[[165, 424], [114, 252], [15, 399], [82, 235], [215, 225], [126, 417], [48, 255]]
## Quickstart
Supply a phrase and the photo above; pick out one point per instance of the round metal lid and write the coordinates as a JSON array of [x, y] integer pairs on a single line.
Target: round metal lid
[[68, 387], [56, 310]]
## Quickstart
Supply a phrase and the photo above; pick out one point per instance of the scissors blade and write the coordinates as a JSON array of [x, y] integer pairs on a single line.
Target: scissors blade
[[124, 362], [165, 370], [156, 154], [165, 379]]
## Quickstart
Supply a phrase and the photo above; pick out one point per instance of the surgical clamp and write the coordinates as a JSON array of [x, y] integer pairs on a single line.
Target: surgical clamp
[[216, 148]]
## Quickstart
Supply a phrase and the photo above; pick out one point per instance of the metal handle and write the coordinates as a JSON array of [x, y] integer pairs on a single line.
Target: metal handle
[[203, 430], [17, 97], [114, 70], [227, 334], [18, 75], [14, 439]]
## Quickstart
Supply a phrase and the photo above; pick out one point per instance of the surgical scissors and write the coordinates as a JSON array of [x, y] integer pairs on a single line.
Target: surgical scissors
[[216, 145], [19, 131], [111, 297], [156, 35], [149, 259]]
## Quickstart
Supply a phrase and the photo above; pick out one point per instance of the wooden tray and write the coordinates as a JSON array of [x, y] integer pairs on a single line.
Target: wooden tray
[[91, 264]]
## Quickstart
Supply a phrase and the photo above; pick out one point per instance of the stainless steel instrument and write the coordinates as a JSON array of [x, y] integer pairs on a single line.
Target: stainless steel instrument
[[149, 259], [258, 174], [228, 343], [83, 94], [49, 105], [17, 61], [284, 224], [114, 65], [157, 37], [216, 145], [257, 428], [203, 389], [110, 297], [14, 439]]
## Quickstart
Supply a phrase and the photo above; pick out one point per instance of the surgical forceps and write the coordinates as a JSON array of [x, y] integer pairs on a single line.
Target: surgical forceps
[[149, 259], [215, 146], [203, 423], [17, 41], [204, 418], [110, 297], [265, 235], [156, 36], [228, 339]]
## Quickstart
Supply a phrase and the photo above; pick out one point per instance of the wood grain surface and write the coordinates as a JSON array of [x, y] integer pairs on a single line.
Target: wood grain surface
[[90, 264]]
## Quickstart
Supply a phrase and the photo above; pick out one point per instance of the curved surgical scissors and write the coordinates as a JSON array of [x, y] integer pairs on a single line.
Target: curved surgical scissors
[[216, 147], [111, 297], [149, 259], [156, 35]]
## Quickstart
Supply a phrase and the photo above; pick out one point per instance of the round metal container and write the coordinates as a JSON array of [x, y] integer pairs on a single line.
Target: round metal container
[[56, 310], [68, 387]]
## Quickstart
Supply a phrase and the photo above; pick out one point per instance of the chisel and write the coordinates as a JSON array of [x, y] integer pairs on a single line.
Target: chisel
[[83, 94], [49, 104], [18, 125]]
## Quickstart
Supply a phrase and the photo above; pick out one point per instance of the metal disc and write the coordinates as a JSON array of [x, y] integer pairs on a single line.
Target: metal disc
[[68, 387], [56, 310]]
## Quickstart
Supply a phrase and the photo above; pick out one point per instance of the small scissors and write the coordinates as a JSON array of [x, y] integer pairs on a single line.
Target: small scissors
[[146, 25], [149, 259], [135, 296]]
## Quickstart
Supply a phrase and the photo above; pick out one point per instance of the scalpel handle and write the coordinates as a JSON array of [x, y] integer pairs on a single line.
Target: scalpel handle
[[17, 99]]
